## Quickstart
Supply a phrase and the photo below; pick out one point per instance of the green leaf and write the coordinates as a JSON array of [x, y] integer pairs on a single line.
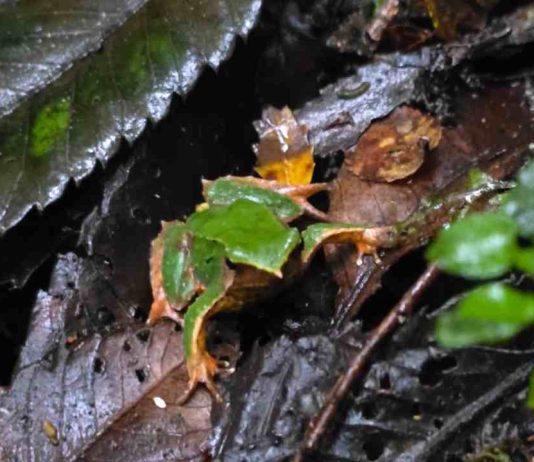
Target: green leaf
[[519, 202], [225, 191], [64, 108], [250, 233], [177, 270], [489, 314], [530, 397], [524, 260], [478, 246]]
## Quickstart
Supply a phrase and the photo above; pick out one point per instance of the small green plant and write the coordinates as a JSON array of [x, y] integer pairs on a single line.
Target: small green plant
[[485, 246]]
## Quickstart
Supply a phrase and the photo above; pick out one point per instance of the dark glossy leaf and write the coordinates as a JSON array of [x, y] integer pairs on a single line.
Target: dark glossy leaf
[[480, 246], [416, 403], [250, 233], [60, 132], [65, 396], [489, 314], [519, 203]]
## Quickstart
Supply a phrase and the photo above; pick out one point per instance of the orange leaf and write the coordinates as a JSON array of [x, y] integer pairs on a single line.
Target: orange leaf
[[284, 153]]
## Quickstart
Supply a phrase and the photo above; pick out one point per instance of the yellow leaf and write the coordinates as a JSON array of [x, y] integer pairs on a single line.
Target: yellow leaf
[[284, 153]]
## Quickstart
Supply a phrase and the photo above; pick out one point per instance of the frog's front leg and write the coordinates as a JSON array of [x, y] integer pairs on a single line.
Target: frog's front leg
[[301, 193], [367, 240]]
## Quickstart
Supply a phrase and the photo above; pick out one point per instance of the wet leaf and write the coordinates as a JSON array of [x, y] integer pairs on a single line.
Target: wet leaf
[[284, 153], [491, 313], [519, 203], [62, 114], [394, 148], [336, 122], [480, 246], [64, 398], [250, 233], [475, 141], [450, 16], [417, 402], [148, 432]]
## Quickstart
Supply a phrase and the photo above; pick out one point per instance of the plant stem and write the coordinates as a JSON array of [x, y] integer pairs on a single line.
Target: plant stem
[[318, 425]]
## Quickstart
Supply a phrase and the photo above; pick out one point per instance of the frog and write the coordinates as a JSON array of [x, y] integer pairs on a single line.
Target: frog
[[239, 246]]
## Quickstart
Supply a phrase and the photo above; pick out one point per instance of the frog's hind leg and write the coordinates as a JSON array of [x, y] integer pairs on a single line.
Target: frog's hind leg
[[201, 366], [202, 369]]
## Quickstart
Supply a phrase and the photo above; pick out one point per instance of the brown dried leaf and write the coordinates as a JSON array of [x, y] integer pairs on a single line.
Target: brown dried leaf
[[449, 17], [394, 148], [157, 428], [65, 400], [492, 133], [284, 153]]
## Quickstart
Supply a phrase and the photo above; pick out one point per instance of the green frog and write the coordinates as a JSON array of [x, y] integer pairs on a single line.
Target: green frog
[[238, 247]]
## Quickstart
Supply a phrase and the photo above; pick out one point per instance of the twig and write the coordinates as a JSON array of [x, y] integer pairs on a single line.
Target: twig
[[318, 425], [382, 19]]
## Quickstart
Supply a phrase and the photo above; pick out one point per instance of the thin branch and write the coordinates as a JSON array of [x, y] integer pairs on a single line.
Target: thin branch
[[318, 425]]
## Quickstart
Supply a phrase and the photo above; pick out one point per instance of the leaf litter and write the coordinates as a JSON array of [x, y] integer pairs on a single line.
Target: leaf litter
[[307, 358]]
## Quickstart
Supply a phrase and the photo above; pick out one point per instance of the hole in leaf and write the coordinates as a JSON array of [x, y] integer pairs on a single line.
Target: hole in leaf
[[453, 458], [368, 410], [141, 374], [78, 311], [98, 365], [385, 382], [105, 316], [373, 448], [432, 371], [137, 313], [416, 411], [143, 335]]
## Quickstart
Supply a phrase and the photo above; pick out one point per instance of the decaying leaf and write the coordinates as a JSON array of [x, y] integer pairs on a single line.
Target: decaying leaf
[[284, 153], [394, 148], [64, 398], [451, 16], [477, 140], [418, 402]]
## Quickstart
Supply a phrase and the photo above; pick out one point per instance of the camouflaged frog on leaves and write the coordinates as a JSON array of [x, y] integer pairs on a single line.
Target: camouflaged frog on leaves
[[245, 222]]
